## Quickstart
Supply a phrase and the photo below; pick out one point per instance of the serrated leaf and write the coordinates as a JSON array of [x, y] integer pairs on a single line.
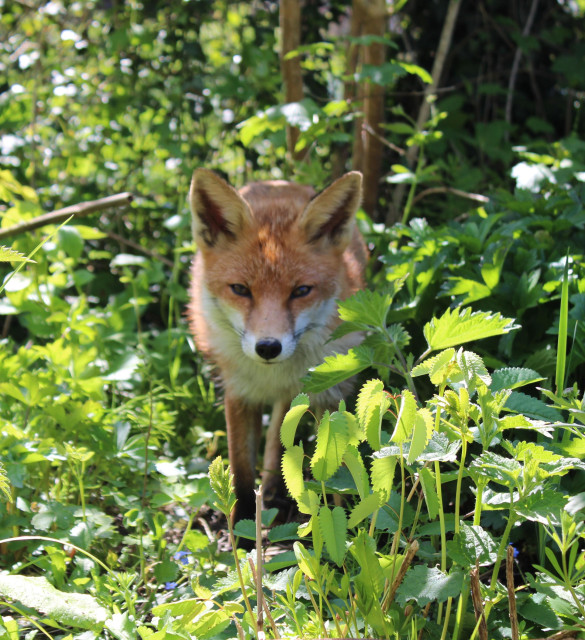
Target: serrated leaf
[[353, 461], [307, 562], [282, 532], [292, 470], [75, 609], [332, 439], [338, 368], [366, 307], [406, 418], [542, 506], [299, 406], [421, 434], [371, 576], [427, 482], [473, 369], [364, 508], [10, 255], [372, 404], [308, 502], [504, 471], [434, 365], [513, 377], [519, 402], [471, 544], [383, 476], [458, 326], [333, 525], [428, 584]]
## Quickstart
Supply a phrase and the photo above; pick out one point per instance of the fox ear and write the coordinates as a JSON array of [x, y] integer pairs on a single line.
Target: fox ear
[[218, 209], [330, 215]]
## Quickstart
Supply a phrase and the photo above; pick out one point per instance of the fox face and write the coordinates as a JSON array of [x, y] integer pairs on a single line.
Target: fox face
[[275, 260]]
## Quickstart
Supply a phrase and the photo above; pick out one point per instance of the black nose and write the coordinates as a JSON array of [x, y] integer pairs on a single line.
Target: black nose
[[268, 348]]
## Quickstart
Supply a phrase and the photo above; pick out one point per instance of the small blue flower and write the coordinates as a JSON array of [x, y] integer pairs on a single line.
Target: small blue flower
[[182, 557], [169, 586]]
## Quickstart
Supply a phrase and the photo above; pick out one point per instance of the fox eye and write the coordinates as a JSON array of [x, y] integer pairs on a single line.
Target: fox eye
[[241, 290], [301, 292]]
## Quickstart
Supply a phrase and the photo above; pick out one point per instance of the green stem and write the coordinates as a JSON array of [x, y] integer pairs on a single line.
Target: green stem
[[503, 544]]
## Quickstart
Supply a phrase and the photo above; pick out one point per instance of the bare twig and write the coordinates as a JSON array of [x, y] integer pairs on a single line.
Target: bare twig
[[477, 603], [511, 592], [78, 210], [476, 197], [425, 107], [516, 62], [139, 248], [259, 592], [408, 558]]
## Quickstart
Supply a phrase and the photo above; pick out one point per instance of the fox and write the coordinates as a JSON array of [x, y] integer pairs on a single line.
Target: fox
[[273, 259]]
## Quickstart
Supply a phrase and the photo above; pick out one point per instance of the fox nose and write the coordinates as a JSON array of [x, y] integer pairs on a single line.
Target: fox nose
[[268, 348]]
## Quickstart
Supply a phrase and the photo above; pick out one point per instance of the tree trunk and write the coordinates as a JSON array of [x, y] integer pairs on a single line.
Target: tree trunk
[[290, 33]]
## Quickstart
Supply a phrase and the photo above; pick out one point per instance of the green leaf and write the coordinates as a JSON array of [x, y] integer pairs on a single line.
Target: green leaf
[[355, 464], [563, 329], [371, 576], [434, 366], [461, 325], [333, 525], [383, 476], [292, 470], [338, 368], [10, 255], [406, 418], [471, 544], [544, 506], [75, 609], [299, 406], [504, 471], [366, 308], [332, 439], [371, 406], [364, 508], [427, 482], [526, 405], [513, 377], [427, 584], [421, 434]]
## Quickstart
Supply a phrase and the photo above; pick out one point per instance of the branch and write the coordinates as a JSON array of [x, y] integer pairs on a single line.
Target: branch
[[476, 197], [60, 215]]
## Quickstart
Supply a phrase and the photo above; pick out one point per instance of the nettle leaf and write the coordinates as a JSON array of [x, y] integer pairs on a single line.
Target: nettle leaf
[[383, 475], [427, 482], [372, 404], [333, 525], [299, 406], [471, 544], [519, 402], [75, 609], [421, 434], [292, 470], [338, 368], [458, 326], [544, 506], [513, 377], [332, 440], [505, 471], [427, 584], [406, 418], [434, 366], [472, 368], [366, 308], [353, 461]]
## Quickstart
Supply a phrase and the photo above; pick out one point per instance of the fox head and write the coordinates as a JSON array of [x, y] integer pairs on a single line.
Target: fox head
[[275, 259]]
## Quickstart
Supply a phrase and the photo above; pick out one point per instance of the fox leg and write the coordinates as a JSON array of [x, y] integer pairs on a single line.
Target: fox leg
[[272, 483], [244, 427]]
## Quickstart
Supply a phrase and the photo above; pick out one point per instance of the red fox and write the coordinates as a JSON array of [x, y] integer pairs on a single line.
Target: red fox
[[272, 261]]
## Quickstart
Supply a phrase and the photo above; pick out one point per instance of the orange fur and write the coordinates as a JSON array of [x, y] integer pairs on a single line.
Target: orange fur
[[272, 260]]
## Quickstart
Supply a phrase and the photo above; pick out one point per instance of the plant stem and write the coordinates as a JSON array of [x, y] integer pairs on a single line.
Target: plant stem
[[503, 544]]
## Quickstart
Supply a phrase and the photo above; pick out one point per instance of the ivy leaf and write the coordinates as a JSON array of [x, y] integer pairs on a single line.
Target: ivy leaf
[[299, 406], [333, 525], [461, 325], [427, 584], [332, 439], [513, 377], [338, 368]]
